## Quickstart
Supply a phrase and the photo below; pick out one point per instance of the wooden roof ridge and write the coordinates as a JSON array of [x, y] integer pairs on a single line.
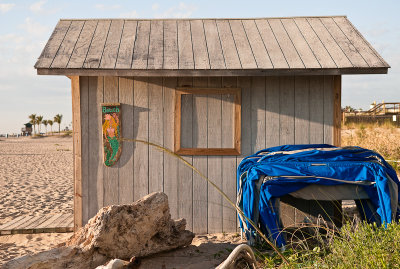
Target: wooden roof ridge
[[194, 18], [209, 46]]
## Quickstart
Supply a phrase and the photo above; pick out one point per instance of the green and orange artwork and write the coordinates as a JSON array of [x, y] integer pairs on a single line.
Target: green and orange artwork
[[111, 119]]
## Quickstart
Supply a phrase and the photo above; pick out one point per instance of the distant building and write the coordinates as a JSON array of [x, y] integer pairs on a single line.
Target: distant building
[[27, 130]]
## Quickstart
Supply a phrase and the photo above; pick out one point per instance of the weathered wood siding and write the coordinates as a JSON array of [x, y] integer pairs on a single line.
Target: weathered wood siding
[[275, 110]]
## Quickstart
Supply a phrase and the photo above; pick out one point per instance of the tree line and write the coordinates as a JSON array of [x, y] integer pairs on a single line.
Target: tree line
[[38, 120]]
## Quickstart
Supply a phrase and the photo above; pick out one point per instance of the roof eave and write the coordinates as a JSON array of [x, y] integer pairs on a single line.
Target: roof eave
[[210, 72]]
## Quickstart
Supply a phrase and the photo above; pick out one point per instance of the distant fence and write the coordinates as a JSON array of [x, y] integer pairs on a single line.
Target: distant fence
[[11, 135], [380, 119]]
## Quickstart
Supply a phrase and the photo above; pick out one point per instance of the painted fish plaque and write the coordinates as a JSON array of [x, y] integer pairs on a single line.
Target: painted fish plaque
[[111, 119]]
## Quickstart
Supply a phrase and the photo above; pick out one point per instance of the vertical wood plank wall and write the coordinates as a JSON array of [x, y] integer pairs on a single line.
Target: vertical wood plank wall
[[275, 110]]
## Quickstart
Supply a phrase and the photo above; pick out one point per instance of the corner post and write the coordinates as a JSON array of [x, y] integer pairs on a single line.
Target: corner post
[[77, 151], [337, 110]]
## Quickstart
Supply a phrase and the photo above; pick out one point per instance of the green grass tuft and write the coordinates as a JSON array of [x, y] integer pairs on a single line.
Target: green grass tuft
[[360, 245]]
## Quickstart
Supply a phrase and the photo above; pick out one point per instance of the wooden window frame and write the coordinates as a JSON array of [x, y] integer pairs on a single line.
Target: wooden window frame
[[236, 150]]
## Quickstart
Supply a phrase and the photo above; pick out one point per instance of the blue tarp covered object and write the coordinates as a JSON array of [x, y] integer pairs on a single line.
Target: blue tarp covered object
[[271, 173]]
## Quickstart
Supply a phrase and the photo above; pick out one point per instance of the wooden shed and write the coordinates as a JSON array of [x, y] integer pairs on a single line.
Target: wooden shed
[[214, 90]]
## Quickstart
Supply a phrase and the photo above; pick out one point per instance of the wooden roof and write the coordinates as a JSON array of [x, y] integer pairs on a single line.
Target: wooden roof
[[211, 47]]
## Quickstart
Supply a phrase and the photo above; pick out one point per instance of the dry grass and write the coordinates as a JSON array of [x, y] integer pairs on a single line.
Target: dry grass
[[384, 139]]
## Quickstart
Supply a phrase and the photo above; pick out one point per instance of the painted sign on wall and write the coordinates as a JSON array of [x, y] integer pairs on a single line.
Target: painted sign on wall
[[111, 121]]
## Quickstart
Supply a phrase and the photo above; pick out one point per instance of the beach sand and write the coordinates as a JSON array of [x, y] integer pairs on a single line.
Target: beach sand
[[13, 246], [35, 179], [36, 176], [206, 251]]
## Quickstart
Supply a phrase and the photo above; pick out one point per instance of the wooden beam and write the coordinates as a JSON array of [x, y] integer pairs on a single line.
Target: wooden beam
[[77, 151], [337, 110], [208, 151], [236, 92], [211, 72], [177, 121], [237, 117]]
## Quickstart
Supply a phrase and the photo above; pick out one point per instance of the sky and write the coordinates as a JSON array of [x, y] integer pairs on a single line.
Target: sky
[[25, 27]]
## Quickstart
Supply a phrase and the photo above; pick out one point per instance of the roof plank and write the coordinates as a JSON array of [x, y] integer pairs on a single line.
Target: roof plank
[[179, 47], [259, 51], [359, 43], [228, 45], [110, 53], [215, 54], [291, 55], [200, 53], [246, 55], [385, 64], [125, 52], [141, 50], [274, 50], [320, 52], [67, 46], [52, 46], [302, 47], [156, 46], [185, 47], [329, 43], [97, 46], [170, 45], [80, 51], [344, 43]]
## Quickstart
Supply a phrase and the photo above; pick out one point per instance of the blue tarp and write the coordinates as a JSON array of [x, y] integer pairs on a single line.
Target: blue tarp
[[288, 168]]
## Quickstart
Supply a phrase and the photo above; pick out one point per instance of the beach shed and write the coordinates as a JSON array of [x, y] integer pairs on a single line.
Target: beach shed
[[212, 90]]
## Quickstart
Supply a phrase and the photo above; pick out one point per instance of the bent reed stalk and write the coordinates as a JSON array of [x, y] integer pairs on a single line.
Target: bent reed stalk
[[214, 185]]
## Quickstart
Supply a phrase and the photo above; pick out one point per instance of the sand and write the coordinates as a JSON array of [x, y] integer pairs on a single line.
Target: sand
[[35, 176], [13, 246], [35, 179], [206, 251]]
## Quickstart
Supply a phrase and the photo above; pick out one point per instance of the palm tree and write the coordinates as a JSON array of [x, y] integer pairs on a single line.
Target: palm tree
[[50, 122], [58, 119], [349, 109], [45, 122], [39, 120], [33, 121]]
